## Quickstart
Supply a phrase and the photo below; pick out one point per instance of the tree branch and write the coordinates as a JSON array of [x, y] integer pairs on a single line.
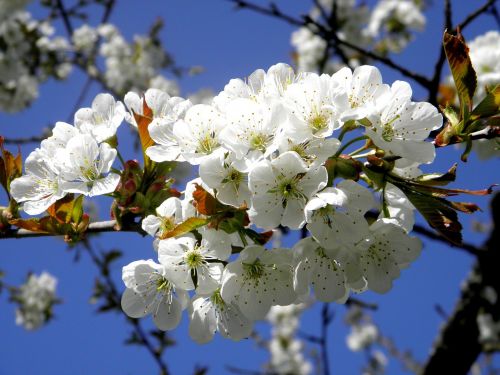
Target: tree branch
[[471, 17], [96, 227], [114, 294], [457, 346], [328, 35], [65, 17]]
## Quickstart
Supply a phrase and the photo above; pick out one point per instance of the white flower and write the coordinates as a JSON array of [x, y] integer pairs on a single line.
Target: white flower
[[398, 207], [35, 298], [362, 88], [285, 348], [314, 106], [166, 111], [185, 258], [168, 215], [198, 133], [40, 187], [485, 57], [225, 175], [259, 279], [61, 134], [401, 126], [361, 336], [150, 292], [390, 250], [314, 151], [336, 215], [310, 49], [281, 188], [103, 119], [211, 313], [260, 86], [252, 128], [83, 164], [84, 38], [237, 88], [397, 18], [316, 266]]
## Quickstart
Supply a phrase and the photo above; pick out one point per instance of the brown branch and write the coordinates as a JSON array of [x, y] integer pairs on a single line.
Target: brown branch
[[27, 140], [328, 35], [96, 227], [114, 294], [65, 17], [471, 17]]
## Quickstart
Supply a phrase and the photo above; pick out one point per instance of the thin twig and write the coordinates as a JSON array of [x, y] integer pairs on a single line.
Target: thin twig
[[65, 17], [326, 319], [494, 12], [471, 17], [327, 34], [115, 294], [96, 227]]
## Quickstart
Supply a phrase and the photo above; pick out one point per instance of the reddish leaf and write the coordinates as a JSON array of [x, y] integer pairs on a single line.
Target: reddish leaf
[[143, 121], [33, 225], [205, 203], [463, 73]]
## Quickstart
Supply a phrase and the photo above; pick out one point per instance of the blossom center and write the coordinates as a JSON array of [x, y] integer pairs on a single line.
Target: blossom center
[[207, 144], [254, 271], [163, 285], [217, 300], [259, 141], [194, 259], [318, 122], [388, 130]]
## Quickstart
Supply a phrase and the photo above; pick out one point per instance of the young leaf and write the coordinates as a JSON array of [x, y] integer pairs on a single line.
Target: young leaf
[[463, 73], [185, 227], [205, 203], [438, 213], [143, 122], [11, 166], [489, 106]]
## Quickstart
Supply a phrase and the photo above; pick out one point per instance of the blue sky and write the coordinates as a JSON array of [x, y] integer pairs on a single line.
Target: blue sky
[[228, 44]]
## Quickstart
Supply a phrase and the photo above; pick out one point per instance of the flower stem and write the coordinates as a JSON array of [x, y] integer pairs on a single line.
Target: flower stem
[[354, 140]]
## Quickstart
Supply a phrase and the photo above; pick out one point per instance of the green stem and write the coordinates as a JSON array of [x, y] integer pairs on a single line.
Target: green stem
[[243, 239], [354, 140], [120, 157]]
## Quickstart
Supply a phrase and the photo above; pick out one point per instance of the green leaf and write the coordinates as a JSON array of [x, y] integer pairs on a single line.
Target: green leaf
[[463, 73], [489, 106], [441, 179], [438, 214], [187, 226]]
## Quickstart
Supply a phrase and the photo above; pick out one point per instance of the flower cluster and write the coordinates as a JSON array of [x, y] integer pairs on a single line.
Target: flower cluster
[[386, 28], [29, 55], [35, 299], [75, 159], [285, 348], [261, 147], [128, 66]]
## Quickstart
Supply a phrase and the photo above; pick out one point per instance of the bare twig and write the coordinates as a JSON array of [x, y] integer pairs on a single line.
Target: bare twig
[[328, 35], [326, 319], [115, 295], [96, 227], [471, 17], [364, 305], [65, 17]]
